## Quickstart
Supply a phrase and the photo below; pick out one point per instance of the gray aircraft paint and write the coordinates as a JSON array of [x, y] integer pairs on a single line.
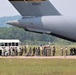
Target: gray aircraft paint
[[33, 9]]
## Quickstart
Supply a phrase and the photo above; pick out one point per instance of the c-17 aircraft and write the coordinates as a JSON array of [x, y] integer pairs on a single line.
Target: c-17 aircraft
[[45, 16]]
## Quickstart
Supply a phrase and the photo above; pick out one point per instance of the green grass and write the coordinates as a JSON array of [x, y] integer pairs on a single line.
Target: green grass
[[37, 67]]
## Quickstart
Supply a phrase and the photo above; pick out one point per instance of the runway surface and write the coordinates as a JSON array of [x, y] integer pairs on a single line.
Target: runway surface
[[40, 57]]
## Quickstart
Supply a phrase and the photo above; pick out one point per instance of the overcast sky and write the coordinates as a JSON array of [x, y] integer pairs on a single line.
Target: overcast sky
[[65, 7], [6, 9]]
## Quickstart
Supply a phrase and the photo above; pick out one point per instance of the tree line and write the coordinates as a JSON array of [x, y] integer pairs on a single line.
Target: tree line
[[29, 37]]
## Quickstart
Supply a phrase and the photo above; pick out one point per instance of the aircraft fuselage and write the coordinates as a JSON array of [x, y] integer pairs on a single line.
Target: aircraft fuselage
[[64, 27], [55, 17]]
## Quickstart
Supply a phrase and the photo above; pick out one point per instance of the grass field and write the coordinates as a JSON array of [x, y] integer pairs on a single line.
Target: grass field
[[37, 67]]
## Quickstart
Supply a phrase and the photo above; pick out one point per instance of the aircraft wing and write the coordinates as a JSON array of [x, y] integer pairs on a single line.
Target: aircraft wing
[[34, 7]]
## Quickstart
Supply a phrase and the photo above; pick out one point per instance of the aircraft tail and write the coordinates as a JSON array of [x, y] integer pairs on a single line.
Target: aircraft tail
[[34, 7]]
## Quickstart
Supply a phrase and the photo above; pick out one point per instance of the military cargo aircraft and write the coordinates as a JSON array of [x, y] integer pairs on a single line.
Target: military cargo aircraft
[[53, 17]]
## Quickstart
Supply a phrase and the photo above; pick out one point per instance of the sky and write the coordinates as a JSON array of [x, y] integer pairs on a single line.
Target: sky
[[6, 9], [65, 7]]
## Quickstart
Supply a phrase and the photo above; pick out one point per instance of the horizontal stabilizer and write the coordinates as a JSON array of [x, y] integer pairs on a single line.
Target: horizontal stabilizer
[[34, 7]]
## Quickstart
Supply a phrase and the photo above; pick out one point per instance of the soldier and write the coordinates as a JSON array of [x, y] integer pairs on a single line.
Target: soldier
[[71, 51], [34, 51], [2, 51], [61, 51], [22, 51], [45, 51], [6, 52], [12, 51], [19, 52], [54, 51], [66, 51], [16, 51], [25, 50], [9, 51], [48, 51], [29, 52], [41, 49], [38, 51]]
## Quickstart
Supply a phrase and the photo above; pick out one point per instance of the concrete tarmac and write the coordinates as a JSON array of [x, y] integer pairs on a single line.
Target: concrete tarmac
[[40, 57]]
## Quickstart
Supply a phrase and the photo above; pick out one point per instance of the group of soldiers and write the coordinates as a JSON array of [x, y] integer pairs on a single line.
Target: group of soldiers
[[73, 51], [13, 51], [41, 51], [64, 51], [35, 51]]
